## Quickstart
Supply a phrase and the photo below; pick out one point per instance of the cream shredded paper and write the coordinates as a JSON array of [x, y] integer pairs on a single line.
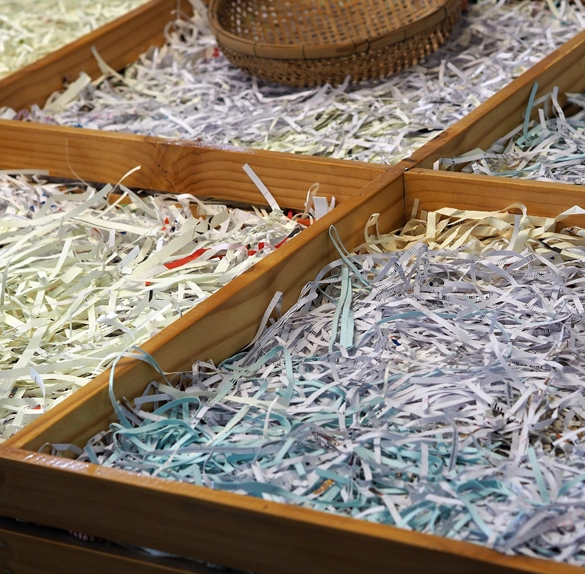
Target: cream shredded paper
[[82, 278], [30, 30]]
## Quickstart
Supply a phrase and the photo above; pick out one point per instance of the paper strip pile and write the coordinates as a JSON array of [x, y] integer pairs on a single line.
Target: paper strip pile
[[81, 279], [31, 29], [437, 388], [550, 148], [187, 89]]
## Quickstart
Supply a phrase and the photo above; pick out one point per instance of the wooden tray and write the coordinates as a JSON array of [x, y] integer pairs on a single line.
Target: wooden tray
[[244, 532], [177, 166], [239, 531], [166, 166]]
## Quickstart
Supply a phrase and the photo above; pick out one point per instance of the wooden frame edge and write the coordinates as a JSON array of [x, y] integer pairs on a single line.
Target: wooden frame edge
[[435, 188], [31, 548], [269, 533], [178, 166]]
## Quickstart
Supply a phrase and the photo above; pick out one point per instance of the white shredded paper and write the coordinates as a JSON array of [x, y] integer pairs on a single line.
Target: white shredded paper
[[550, 148], [187, 89], [82, 278], [438, 388], [31, 29]]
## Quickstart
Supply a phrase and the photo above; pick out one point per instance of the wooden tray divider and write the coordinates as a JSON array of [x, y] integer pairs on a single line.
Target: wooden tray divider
[[438, 189], [178, 166]]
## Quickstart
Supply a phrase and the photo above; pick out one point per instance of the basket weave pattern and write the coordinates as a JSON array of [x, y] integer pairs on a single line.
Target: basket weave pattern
[[311, 42]]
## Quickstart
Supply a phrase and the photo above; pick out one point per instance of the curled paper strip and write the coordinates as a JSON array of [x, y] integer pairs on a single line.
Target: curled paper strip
[[32, 29], [550, 148], [437, 388], [187, 89], [84, 273]]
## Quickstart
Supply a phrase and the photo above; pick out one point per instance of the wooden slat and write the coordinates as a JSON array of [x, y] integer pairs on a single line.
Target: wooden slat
[[438, 189], [30, 549], [496, 117], [119, 43], [241, 531], [177, 166]]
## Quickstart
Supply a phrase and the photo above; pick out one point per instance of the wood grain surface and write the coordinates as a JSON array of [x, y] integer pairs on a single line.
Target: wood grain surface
[[178, 166], [27, 548], [438, 189]]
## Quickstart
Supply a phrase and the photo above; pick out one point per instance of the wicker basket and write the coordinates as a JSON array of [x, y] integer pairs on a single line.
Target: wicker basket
[[311, 42]]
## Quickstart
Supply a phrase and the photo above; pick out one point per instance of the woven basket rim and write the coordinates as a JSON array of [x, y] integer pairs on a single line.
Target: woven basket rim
[[296, 51]]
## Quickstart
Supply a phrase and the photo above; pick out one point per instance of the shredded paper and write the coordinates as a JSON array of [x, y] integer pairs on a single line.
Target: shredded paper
[[30, 29], [550, 148], [437, 388], [187, 89], [85, 272]]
